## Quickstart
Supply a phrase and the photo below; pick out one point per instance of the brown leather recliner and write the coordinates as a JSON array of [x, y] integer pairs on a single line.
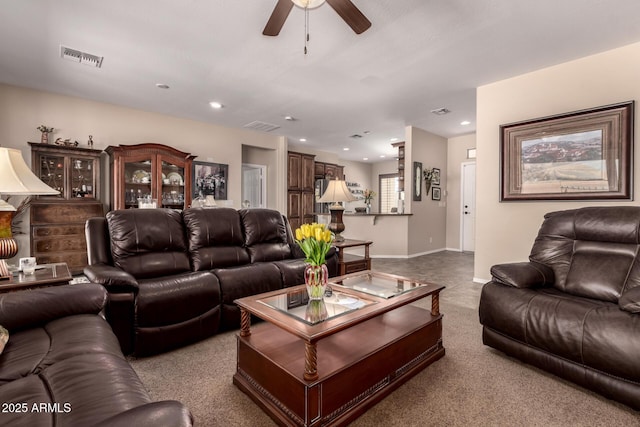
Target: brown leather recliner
[[173, 276], [63, 366], [574, 308]]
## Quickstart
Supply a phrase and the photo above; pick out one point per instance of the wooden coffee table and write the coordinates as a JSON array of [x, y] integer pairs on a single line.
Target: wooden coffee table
[[325, 364]]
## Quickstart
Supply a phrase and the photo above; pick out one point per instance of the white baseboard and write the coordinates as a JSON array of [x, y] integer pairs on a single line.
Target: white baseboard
[[480, 280], [410, 255]]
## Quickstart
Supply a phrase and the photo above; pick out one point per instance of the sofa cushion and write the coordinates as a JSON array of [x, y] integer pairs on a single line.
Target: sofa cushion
[[215, 238], [32, 350], [148, 242], [241, 282], [593, 243], [600, 269], [173, 299], [265, 234], [83, 390], [523, 274], [630, 300]]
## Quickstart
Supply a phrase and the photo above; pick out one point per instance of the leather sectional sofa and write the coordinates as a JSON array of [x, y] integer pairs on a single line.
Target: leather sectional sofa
[[574, 308], [173, 276], [63, 366]]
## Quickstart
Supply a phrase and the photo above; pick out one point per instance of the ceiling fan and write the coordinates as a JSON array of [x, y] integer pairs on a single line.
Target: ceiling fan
[[345, 8]]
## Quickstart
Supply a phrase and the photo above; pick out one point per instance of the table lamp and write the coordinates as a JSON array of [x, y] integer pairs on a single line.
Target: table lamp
[[335, 193], [15, 179]]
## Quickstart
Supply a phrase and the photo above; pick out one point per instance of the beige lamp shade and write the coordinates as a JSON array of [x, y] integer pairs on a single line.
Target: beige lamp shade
[[16, 177], [337, 191]]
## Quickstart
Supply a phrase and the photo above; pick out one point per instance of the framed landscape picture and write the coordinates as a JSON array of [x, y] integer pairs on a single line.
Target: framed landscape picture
[[210, 179], [583, 155]]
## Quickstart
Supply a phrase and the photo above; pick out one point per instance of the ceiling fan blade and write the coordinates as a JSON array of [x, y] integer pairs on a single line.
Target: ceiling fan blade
[[279, 15], [351, 15]]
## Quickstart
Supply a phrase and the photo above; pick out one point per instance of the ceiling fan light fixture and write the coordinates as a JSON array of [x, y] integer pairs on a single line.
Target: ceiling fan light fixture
[[308, 4]]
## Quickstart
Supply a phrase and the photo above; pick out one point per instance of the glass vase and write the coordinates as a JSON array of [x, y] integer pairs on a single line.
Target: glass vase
[[316, 311], [316, 277]]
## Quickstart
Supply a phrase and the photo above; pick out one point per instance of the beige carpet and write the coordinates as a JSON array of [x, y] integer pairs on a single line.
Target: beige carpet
[[472, 385]]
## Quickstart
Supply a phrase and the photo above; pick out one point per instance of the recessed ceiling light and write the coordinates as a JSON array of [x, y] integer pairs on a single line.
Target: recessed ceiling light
[[289, 118], [394, 139], [365, 158], [367, 132], [303, 140], [465, 123], [345, 149], [162, 86], [382, 156], [216, 105]]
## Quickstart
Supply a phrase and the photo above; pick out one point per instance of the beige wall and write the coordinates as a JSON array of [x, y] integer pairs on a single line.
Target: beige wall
[[456, 156], [505, 231], [22, 110], [427, 225]]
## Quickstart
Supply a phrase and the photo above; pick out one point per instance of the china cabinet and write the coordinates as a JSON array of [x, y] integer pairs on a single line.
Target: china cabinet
[[149, 175], [57, 222]]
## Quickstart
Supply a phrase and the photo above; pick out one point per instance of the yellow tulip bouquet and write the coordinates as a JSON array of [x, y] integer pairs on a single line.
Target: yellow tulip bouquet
[[315, 241]]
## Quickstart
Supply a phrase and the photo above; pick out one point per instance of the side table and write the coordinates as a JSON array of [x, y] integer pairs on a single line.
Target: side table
[[45, 275], [348, 263]]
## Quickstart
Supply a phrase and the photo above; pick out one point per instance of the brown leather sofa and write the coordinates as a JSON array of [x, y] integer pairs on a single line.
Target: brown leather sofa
[[63, 366], [574, 308], [173, 276]]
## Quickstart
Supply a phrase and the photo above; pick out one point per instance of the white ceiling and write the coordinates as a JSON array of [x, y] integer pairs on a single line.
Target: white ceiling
[[417, 56]]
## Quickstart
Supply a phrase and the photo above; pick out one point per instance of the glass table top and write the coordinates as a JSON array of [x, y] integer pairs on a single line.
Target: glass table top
[[380, 284], [297, 305]]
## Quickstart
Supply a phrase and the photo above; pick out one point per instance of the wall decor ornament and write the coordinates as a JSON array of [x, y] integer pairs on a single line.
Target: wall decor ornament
[[44, 137], [582, 155], [431, 177], [417, 184], [436, 193]]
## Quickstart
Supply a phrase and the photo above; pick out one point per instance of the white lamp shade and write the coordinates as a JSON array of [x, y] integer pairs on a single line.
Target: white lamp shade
[[308, 4], [17, 178], [337, 191]]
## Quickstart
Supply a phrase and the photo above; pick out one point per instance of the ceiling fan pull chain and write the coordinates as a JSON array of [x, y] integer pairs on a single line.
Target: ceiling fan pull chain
[[306, 29]]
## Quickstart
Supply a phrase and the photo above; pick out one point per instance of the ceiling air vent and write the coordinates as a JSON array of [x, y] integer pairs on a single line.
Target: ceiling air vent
[[261, 126], [355, 136], [441, 111], [81, 57]]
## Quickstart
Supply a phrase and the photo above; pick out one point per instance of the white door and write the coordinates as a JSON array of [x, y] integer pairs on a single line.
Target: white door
[[468, 220], [254, 186]]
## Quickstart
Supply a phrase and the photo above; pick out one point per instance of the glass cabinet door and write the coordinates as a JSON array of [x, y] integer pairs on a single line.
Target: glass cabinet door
[[173, 185], [51, 171], [138, 178], [83, 182]]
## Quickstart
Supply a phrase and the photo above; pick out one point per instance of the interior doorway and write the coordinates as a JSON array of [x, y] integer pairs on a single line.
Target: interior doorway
[[254, 186], [468, 208]]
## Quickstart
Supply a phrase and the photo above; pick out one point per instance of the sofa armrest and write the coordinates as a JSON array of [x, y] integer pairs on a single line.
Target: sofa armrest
[[166, 413], [630, 300], [33, 307], [112, 278], [523, 274]]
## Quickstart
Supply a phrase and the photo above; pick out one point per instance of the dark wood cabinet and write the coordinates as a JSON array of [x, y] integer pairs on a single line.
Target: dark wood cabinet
[[57, 222], [328, 171], [150, 171], [300, 188]]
